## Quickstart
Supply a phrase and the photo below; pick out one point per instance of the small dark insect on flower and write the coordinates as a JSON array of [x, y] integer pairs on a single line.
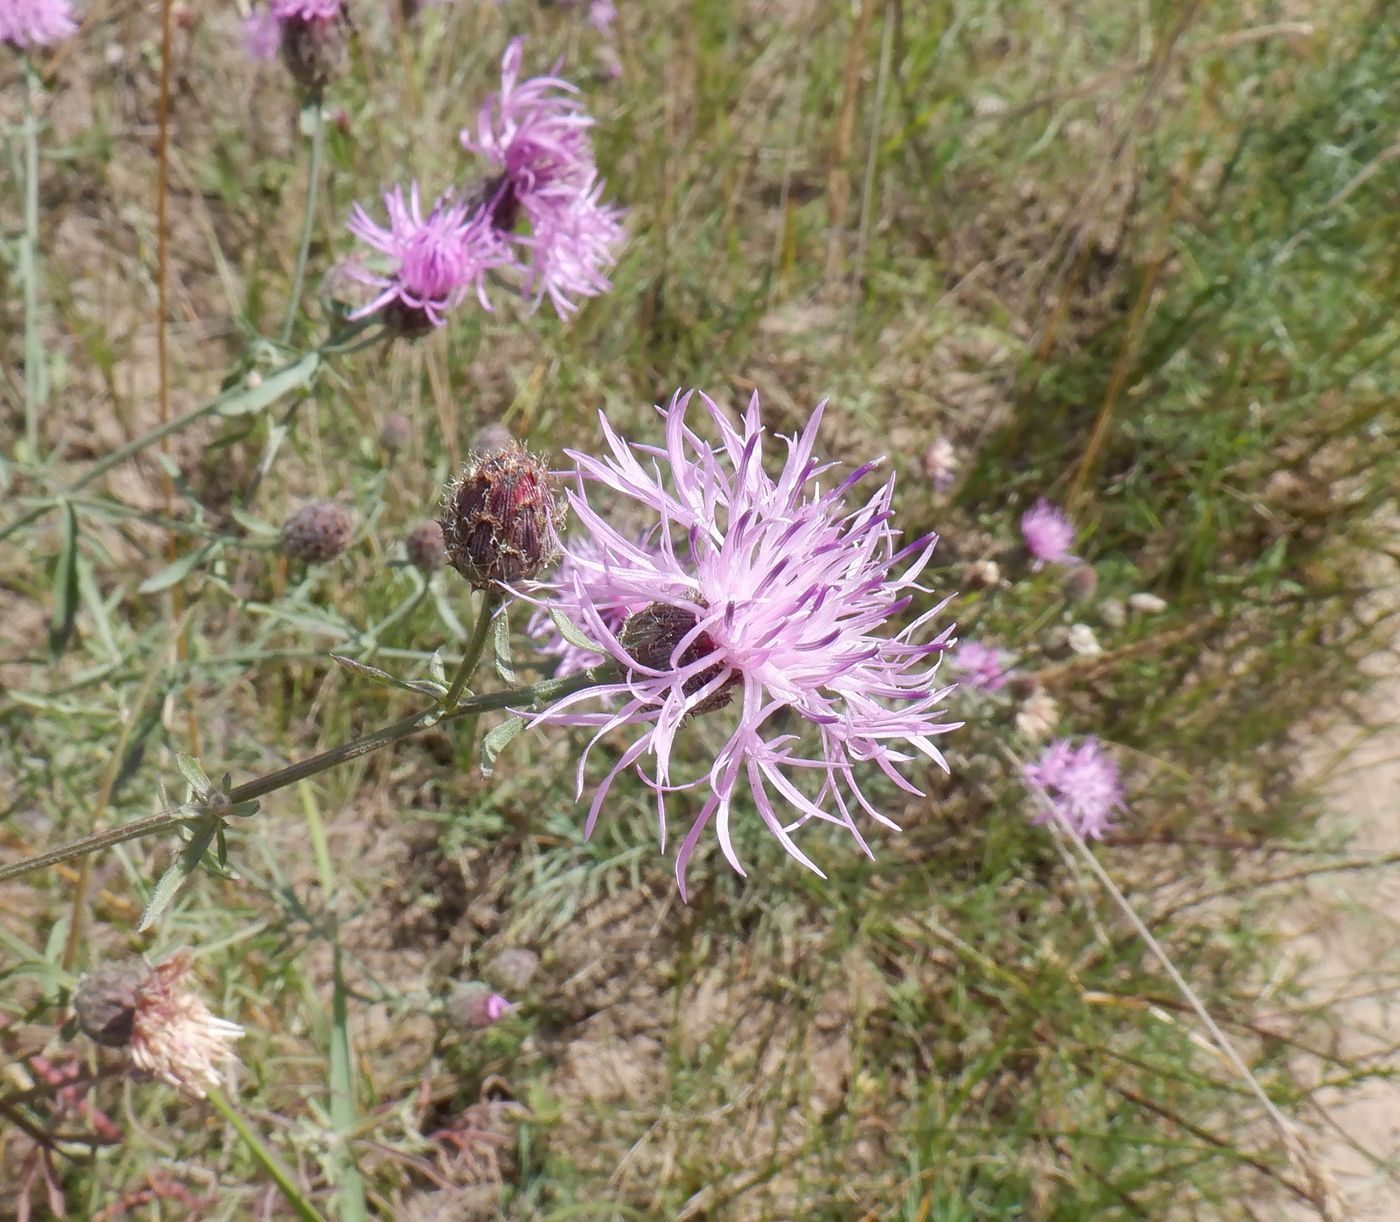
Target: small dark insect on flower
[[317, 532], [425, 547], [501, 519]]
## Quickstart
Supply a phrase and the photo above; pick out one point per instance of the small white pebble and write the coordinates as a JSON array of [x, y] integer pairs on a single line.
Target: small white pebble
[[1147, 604]]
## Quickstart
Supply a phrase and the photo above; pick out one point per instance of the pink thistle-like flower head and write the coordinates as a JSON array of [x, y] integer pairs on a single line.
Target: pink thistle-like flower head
[[573, 238], [1048, 533], [980, 666], [1080, 786], [475, 1005], [167, 1031], [437, 259], [534, 131], [768, 597], [35, 23], [307, 10]]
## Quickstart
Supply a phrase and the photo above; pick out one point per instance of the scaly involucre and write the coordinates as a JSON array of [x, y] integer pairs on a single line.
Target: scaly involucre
[[772, 596], [438, 258], [535, 134], [35, 23]]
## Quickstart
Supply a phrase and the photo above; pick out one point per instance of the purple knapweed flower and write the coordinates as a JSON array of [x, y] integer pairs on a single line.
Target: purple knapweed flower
[[535, 134], [1048, 533], [35, 23], [438, 259], [770, 596], [583, 577], [980, 666], [1080, 785], [262, 34]]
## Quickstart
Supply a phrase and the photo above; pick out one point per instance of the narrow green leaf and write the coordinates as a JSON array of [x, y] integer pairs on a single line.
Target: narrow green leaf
[[270, 388], [497, 740], [253, 525], [175, 572], [373, 673], [500, 645], [570, 631], [179, 870], [65, 586], [194, 773]]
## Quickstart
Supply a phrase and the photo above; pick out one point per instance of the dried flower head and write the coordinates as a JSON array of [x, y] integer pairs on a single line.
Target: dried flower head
[[166, 1030], [436, 260], [1048, 533], [941, 463], [1081, 583], [1037, 716], [1147, 604], [425, 547], [475, 1005], [501, 518], [1079, 786], [980, 666], [761, 594], [396, 432], [317, 532], [35, 23]]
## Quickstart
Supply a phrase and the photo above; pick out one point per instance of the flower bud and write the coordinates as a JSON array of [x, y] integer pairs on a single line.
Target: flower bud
[[492, 437], [1081, 583], [1147, 604], [317, 532], [316, 50], [501, 518], [396, 432], [1037, 716], [474, 1005], [425, 547], [513, 969]]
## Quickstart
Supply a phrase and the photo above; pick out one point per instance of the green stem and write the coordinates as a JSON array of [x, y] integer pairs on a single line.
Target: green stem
[[29, 271], [490, 600], [293, 373], [308, 220], [537, 693], [265, 1158]]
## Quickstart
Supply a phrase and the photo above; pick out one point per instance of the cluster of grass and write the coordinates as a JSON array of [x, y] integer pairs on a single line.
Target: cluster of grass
[[1137, 259]]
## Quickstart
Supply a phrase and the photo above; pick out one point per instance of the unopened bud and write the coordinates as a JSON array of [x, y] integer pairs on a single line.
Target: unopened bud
[[983, 574], [396, 432], [317, 532], [491, 438], [1113, 612], [513, 969], [1080, 583], [1081, 640], [475, 1005], [501, 519], [316, 50], [425, 547], [1037, 716]]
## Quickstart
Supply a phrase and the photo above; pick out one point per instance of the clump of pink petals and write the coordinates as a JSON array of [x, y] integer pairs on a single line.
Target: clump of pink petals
[[1080, 786], [584, 568], [534, 133], [262, 34], [35, 23], [438, 258], [980, 666], [1048, 533], [306, 10], [771, 601]]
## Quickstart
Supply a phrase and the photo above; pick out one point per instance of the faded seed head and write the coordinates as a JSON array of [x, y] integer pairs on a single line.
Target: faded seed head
[[501, 519], [425, 547], [317, 532]]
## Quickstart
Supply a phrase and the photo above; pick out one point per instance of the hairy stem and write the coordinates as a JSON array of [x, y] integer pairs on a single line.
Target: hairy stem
[[522, 697], [308, 220], [490, 600]]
